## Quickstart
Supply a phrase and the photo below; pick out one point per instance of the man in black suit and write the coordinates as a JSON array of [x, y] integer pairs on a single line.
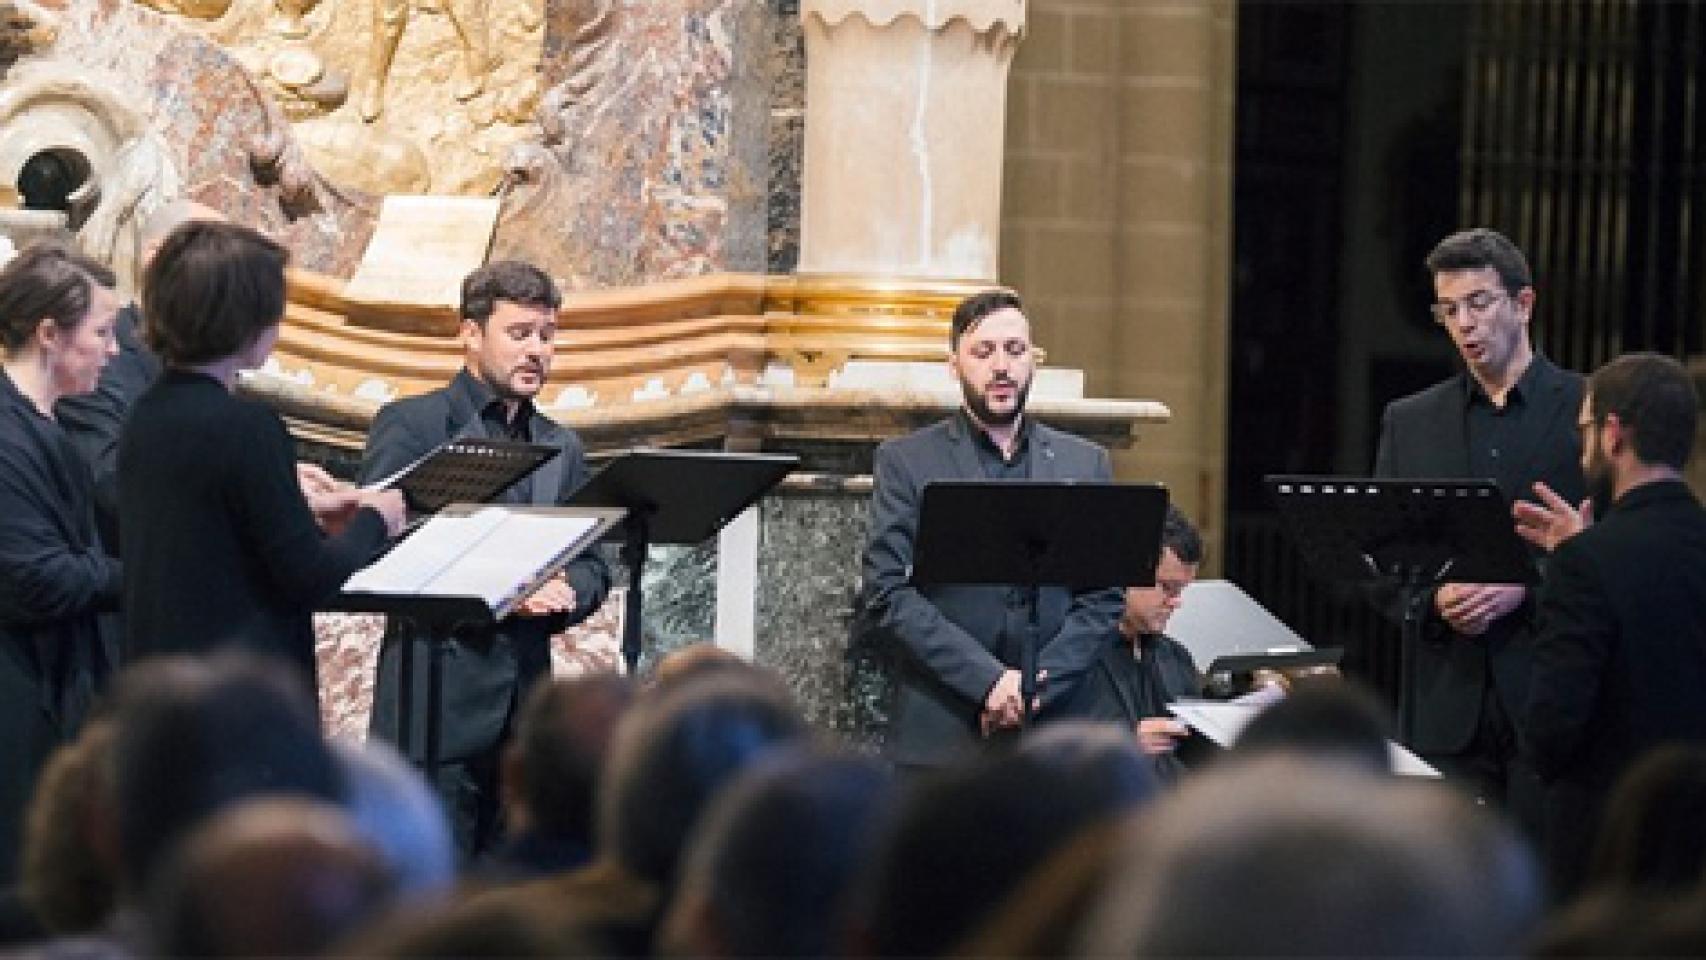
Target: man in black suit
[[958, 646], [509, 320], [1620, 657], [1140, 669], [1507, 416]]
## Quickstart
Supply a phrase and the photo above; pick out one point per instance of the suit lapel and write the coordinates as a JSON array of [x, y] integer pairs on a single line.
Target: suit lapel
[[1453, 442], [961, 451], [1045, 465]]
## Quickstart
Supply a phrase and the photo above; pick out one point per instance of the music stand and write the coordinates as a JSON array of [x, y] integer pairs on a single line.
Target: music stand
[[1037, 533], [675, 496], [466, 470], [1413, 534], [475, 578]]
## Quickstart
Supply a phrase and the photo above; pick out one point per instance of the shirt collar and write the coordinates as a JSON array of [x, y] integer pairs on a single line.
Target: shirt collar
[[1518, 393], [480, 396], [979, 435]]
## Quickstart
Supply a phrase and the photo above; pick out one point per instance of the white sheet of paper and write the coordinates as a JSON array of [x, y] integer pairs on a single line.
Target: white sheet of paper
[[433, 548], [1223, 722]]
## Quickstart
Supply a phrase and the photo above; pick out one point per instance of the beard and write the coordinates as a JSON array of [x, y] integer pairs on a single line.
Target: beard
[[978, 404], [1601, 484], [501, 383]]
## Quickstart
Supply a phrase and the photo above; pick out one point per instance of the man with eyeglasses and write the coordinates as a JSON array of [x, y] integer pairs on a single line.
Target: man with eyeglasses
[[1141, 669], [1509, 415]]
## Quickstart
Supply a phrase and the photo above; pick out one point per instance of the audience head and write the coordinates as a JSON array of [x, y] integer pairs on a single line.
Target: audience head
[[196, 736], [271, 877], [214, 292], [509, 321], [1325, 719], [1277, 856], [991, 354], [69, 864], [1653, 837], [1147, 609], [57, 308], [674, 753], [553, 766], [768, 872], [685, 664], [963, 839], [392, 807]]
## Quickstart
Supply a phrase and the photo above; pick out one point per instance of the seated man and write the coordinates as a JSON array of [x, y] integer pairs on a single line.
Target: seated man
[[1141, 669]]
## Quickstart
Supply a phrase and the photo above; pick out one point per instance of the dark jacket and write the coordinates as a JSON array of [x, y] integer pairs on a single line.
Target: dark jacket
[[1620, 658], [948, 637], [488, 669], [1425, 435], [223, 549], [95, 420], [54, 578], [1124, 689]]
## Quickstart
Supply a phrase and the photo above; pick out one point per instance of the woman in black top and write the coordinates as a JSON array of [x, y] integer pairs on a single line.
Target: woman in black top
[[224, 548], [56, 326]]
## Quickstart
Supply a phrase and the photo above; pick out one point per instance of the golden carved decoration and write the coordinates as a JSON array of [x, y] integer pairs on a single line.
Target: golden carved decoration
[[680, 361]]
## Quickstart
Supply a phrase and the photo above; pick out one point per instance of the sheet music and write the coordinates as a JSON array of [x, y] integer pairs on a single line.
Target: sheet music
[[491, 554], [1223, 722]]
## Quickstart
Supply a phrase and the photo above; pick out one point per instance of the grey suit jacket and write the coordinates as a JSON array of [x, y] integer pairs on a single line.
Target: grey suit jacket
[[947, 637], [1425, 435]]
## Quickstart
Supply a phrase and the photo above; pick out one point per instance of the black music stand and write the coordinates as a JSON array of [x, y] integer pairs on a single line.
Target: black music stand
[[1037, 533], [675, 496], [433, 612], [1411, 534], [466, 470]]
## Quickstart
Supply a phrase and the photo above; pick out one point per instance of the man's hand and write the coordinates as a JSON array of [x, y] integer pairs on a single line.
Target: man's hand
[[1002, 706], [388, 504], [1470, 608], [1551, 521], [1160, 735], [553, 596], [331, 501]]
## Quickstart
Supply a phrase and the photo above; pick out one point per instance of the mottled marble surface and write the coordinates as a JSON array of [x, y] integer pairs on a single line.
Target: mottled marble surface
[[653, 153], [787, 68]]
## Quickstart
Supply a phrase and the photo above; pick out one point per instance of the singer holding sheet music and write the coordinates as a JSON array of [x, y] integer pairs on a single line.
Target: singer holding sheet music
[[225, 547], [1508, 416], [958, 646], [508, 329]]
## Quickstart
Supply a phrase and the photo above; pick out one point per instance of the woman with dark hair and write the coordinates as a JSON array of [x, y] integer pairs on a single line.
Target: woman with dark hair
[[226, 550], [56, 327]]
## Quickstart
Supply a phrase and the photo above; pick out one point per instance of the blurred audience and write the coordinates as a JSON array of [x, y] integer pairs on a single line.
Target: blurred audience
[[1324, 718]]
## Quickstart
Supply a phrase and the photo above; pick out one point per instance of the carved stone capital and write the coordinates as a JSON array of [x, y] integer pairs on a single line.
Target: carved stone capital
[[906, 104], [983, 16]]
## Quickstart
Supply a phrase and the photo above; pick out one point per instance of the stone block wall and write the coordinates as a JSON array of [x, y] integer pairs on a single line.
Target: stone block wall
[[1116, 221]]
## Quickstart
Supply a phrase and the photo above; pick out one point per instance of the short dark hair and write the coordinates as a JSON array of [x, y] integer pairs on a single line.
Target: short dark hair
[[974, 308], [1478, 249], [210, 291], [1654, 399], [47, 280], [563, 735], [1179, 535], [511, 280]]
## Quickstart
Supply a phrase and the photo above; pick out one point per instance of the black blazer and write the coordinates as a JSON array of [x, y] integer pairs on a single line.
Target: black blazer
[[948, 636], [1424, 435], [223, 549], [488, 669], [54, 577], [1620, 656], [94, 421]]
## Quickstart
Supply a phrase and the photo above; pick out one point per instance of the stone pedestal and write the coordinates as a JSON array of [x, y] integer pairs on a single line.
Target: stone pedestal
[[906, 104]]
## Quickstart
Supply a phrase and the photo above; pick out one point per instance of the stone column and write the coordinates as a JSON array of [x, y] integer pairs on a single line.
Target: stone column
[[906, 107]]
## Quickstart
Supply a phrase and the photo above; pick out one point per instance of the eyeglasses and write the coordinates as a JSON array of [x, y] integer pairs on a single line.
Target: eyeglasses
[[1479, 304]]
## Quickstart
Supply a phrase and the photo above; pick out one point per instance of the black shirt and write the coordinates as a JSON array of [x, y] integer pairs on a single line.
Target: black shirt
[[996, 465], [1493, 432]]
